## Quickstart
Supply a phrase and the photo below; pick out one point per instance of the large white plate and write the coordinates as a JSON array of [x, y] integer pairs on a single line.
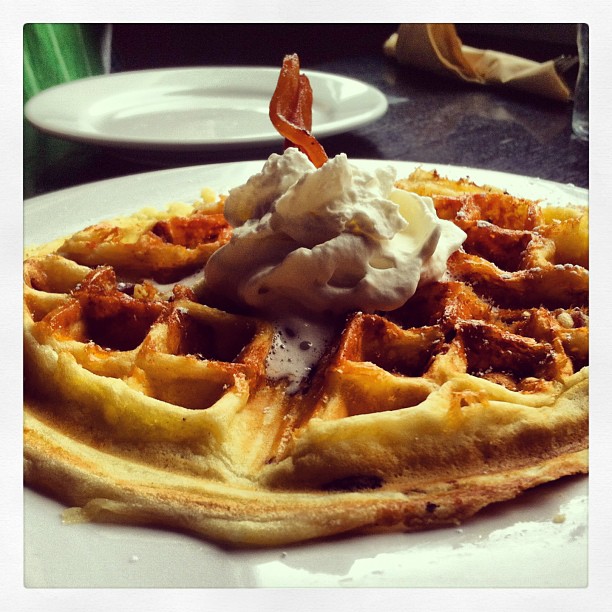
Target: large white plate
[[539, 540], [193, 109]]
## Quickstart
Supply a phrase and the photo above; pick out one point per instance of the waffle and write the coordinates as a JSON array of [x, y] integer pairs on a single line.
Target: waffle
[[147, 401]]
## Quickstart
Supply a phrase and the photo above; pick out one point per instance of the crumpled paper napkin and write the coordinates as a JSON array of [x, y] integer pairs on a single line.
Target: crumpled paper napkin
[[436, 47]]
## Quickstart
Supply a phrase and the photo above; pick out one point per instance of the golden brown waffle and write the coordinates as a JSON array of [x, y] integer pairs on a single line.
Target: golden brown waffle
[[147, 402]]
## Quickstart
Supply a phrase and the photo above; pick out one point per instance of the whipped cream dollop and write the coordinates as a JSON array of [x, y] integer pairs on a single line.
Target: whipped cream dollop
[[332, 239]]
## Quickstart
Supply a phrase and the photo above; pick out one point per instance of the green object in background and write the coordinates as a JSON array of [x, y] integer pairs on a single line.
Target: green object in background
[[56, 53]]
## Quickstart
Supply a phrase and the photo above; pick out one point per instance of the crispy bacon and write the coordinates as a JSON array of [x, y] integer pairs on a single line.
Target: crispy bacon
[[291, 111]]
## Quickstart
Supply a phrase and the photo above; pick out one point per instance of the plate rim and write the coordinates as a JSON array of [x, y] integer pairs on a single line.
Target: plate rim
[[582, 192], [32, 111], [190, 173]]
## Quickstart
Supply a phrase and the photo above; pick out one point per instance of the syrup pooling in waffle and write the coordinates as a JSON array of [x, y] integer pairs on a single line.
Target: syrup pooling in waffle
[[156, 393]]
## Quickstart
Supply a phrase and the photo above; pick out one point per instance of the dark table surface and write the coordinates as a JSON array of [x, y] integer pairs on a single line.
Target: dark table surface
[[430, 119]]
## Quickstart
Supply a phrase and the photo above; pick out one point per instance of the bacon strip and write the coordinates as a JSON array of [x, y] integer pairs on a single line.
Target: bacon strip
[[291, 111]]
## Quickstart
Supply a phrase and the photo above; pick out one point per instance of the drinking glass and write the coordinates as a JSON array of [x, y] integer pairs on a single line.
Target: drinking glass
[[580, 117]]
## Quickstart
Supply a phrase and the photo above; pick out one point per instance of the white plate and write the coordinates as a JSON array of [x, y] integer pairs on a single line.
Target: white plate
[[538, 540], [193, 109]]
